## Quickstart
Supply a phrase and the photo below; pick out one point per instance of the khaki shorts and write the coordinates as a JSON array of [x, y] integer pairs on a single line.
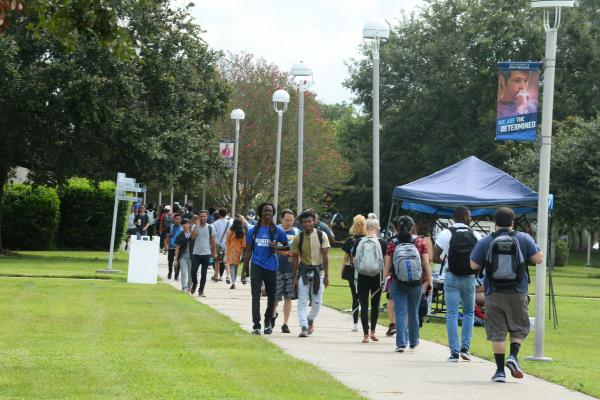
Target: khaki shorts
[[506, 312]]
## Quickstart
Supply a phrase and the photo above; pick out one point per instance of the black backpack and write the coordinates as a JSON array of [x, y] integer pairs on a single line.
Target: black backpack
[[463, 240], [504, 264]]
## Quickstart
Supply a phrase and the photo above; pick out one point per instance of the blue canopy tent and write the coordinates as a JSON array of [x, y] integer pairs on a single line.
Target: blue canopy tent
[[470, 182], [474, 184]]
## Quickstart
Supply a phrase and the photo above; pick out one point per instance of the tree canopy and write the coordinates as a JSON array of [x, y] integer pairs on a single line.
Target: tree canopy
[[253, 82], [87, 112]]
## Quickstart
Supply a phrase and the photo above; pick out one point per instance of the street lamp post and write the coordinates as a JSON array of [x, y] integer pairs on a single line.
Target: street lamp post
[[280, 97], [376, 30], [237, 115], [300, 70], [551, 28]]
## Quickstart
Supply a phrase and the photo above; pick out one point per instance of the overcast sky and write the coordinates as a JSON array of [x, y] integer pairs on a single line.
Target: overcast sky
[[324, 34]]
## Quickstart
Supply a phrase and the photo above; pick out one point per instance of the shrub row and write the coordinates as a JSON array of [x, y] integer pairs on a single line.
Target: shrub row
[[77, 215]]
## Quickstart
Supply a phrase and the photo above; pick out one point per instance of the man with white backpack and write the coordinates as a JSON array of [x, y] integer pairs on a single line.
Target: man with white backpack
[[368, 266]]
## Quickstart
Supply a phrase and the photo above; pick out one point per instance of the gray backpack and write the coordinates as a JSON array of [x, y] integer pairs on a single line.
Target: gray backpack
[[369, 257], [407, 263]]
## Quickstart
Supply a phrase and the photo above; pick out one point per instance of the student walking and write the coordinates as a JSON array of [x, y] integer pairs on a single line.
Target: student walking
[[368, 264], [261, 242], [141, 222], [183, 254], [221, 227], [285, 288], [236, 243], [456, 243], [204, 246], [171, 236], [407, 260], [503, 256], [310, 270], [357, 231]]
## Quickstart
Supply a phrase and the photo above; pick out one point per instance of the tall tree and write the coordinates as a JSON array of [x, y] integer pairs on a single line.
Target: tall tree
[[575, 172], [254, 81], [86, 112]]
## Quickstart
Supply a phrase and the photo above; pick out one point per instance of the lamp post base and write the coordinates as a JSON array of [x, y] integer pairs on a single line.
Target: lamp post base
[[108, 271], [534, 358]]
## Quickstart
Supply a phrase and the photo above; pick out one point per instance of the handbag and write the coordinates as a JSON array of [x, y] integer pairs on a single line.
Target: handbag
[[348, 272]]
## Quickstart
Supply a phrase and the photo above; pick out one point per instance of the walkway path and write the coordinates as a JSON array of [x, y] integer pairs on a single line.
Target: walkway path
[[374, 369]]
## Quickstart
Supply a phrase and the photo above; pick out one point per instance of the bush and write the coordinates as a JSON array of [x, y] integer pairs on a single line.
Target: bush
[[562, 253], [30, 217], [86, 212]]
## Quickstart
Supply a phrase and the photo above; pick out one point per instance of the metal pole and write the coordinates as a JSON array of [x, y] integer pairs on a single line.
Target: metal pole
[[277, 160], [185, 199], [160, 197], [300, 149], [235, 167], [113, 231], [172, 189], [544, 185], [145, 190], [376, 127], [589, 250]]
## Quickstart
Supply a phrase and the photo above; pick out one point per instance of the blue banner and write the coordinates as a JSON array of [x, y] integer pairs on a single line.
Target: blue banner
[[518, 91]]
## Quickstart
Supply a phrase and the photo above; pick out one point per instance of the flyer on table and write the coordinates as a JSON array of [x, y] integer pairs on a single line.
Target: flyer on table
[[518, 89]]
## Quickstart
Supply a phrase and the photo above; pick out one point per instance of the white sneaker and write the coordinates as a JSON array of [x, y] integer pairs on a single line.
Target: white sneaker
[[355, 328]]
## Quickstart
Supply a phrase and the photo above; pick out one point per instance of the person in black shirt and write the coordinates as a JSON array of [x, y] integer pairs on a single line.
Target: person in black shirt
[[141, 223]]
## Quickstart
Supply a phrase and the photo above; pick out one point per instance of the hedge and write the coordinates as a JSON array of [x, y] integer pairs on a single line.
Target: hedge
[[86, 212], [30, 217]]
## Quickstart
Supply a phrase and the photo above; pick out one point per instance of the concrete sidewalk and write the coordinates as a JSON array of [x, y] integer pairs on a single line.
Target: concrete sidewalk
[[374, 369]]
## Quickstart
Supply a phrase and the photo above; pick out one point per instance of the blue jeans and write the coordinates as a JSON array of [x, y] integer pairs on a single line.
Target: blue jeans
[[459, 290], [406, 303]]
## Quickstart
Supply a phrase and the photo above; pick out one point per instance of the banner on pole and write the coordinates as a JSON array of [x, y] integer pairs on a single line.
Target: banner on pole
[[516, 112], [226, 147]]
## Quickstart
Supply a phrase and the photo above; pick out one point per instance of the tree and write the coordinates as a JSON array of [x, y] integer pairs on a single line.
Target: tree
[[86, 112], [254, 82], [574, 172], [439, 81], [73, 22]]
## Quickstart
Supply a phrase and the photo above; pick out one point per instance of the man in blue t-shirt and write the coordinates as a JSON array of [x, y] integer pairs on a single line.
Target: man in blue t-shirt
[[262, 241], [506, 301]]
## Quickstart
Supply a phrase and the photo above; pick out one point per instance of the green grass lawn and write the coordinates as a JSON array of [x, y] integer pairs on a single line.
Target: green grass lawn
[[574, 346], [91, 339], [67, 264]]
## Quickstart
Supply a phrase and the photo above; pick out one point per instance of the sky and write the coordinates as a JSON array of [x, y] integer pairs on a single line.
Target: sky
[[323, 34]]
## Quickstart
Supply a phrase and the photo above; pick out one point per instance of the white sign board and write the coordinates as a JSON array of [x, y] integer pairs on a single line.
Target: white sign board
[[143, 260]]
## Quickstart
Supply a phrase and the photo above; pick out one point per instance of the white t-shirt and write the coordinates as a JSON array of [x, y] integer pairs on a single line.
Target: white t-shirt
[[443, 240], [221, 226]]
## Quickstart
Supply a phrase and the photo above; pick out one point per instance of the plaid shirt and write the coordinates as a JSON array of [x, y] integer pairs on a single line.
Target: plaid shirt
[[419, 243]]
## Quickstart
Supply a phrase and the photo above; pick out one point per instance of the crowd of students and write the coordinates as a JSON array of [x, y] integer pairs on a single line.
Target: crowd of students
[[290, 261], [500, 259]]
